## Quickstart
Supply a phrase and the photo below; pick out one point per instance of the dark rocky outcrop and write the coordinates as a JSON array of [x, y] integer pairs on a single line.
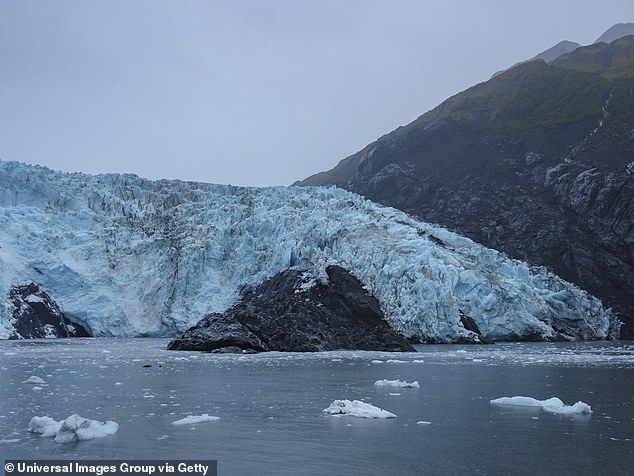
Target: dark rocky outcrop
[[537, 162], [293, 312], [37, 315]]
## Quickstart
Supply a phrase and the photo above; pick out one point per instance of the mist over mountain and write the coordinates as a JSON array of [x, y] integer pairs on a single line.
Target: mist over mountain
[[537, 162]]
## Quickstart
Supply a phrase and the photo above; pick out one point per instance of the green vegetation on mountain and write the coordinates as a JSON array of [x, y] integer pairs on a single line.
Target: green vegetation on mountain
[[539, 95]]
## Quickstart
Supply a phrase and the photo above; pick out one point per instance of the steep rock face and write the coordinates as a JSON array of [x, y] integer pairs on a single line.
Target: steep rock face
[[36, 315], [537, 162], [295, 312], [133, 257]]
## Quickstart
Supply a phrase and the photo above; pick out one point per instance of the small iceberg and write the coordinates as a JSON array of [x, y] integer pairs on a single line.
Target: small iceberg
[[551, 405], [191, 419], [74, 428], [358, 409], [396, 383], [35, 380], [45, 426]]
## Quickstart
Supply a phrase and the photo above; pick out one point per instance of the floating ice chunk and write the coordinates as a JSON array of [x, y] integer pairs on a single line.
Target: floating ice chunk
[[191, 419], [74, 428], [396, 383], [77, 428], [358, 409], [376, 361], [396, 361], [35, 380], [555, 405], [551, 405], [422, 422], [46, 426], [13, 440]]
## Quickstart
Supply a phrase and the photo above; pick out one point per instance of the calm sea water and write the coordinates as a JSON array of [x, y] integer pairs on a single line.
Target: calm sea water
[[270, 407]]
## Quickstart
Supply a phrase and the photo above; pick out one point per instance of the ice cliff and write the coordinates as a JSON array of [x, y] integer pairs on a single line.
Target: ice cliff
[[126, 256]]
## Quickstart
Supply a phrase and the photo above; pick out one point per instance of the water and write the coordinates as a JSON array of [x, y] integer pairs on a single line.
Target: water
[[270, 407]]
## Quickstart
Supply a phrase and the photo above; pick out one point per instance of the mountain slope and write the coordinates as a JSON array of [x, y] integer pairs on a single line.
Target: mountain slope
[[125, 256], [549, 55], [615, 32], [537, 162]]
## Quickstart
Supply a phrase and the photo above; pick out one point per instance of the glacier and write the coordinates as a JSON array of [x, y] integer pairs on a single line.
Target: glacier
[[127, 256]]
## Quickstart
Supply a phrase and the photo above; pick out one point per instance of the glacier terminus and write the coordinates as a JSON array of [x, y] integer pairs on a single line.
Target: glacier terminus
[[124, 256]]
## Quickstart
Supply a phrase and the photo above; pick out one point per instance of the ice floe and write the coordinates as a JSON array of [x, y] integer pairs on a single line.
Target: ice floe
[[35, 380], [551, 405], [358, 409], [396, 383], [191, 419], [73, 428]]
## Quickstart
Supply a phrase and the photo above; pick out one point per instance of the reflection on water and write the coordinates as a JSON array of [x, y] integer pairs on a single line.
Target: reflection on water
[[270, 407]]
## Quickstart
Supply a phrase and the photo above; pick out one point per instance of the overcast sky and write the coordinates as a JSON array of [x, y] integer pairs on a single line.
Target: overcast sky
[[251, 92]]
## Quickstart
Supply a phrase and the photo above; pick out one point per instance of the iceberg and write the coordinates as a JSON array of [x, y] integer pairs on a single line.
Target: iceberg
[[73, 428], [551, 405], [396, 383], [45, 426], [35, 380], [126, 256], [191, 419], [358, 409]]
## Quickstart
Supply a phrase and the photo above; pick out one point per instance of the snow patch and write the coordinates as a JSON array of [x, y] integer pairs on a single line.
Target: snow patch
[[358, 409]]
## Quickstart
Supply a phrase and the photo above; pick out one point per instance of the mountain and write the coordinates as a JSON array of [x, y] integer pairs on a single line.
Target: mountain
[[615, 32], [125, 256], [537, 162], [550, 55]]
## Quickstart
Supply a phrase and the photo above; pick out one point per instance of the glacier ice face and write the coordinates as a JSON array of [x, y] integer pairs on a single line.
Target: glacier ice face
[[132, 257]]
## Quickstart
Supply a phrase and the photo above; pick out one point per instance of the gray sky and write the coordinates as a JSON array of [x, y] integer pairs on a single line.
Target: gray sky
[[251, 92]]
